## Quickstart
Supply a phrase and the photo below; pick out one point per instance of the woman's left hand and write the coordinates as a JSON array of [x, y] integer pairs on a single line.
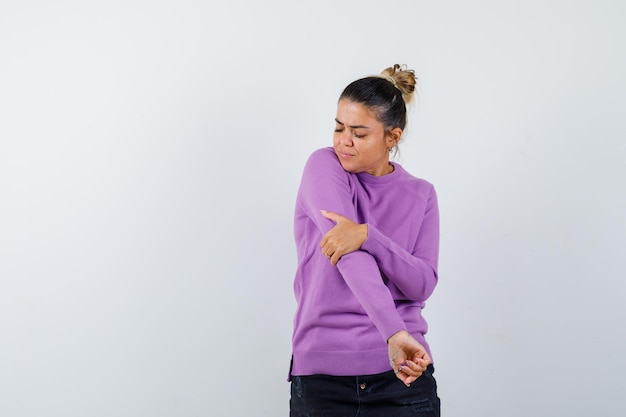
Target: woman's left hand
[[347, 236], [408, 358]]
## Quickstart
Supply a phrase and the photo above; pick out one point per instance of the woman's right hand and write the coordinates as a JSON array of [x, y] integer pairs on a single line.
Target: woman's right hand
[[408, 358]]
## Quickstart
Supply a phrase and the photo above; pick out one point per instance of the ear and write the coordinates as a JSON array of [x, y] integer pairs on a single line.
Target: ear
[[393, 137]]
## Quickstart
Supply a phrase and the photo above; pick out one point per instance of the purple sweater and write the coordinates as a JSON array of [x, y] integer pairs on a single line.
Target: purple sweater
[[347, 312]]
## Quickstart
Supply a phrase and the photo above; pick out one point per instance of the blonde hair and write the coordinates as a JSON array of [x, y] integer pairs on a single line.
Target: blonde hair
[[403, 79]]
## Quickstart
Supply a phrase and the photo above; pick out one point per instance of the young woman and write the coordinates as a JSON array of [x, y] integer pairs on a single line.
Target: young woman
[[367, 238]]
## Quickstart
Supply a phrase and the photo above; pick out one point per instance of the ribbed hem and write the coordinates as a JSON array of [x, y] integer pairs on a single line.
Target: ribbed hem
[[340, 363], [344, 363]]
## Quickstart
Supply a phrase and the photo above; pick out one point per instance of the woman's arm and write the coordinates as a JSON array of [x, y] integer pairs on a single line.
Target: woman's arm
[[413, 273], [326, 186]]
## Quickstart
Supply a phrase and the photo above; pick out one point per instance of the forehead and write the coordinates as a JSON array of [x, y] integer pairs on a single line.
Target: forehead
[[352, 113]]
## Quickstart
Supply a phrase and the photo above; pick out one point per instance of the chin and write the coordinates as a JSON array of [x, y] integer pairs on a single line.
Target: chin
[[349, 169]]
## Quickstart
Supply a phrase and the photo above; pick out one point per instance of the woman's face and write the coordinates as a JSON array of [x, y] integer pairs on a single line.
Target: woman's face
[[360, 141]]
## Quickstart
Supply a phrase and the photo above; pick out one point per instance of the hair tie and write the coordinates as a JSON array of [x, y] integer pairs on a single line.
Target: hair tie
[[390, 79]]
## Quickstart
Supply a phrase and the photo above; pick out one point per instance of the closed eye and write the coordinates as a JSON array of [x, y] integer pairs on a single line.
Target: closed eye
[[339, 130]]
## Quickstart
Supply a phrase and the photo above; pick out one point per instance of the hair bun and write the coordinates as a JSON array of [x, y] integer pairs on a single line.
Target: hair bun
[[403, 79]]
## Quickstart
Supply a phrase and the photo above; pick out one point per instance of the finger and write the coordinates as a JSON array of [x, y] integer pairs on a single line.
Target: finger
[[328, 237], [332, 216], [327, 250], [410, 378], [413, 369], [402, 376], [421, 356], [336, 255], [417, 368]]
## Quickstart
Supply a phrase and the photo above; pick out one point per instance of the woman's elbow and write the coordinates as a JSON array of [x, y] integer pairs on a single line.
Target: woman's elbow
[[423, 292]]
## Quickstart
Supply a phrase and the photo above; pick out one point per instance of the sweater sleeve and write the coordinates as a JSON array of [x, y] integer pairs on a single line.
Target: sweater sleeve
[[325, 186], [414, 273]]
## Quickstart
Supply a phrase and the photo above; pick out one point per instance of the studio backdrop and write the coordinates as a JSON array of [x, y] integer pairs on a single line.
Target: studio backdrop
[[150, 155]]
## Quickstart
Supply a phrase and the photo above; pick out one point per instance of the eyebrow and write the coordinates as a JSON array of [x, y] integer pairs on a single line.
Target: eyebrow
[[353, 127]]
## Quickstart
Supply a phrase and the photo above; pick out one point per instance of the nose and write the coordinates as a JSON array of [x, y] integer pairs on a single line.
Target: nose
[[345, 138]]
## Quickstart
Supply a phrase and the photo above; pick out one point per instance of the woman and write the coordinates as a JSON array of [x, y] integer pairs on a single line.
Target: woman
[[367, 238]]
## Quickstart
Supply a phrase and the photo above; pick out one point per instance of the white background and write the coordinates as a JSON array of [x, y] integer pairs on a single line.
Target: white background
[[150, 152]]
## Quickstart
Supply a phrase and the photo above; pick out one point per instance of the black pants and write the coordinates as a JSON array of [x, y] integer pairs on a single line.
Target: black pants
[[380, 395]]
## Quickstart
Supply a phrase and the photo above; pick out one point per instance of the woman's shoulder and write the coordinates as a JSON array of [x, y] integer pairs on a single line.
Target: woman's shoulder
[[324, 158], [415, 184], [324, 154]]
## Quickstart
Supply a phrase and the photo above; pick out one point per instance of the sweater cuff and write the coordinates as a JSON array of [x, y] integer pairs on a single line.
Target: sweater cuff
[[392, 326]]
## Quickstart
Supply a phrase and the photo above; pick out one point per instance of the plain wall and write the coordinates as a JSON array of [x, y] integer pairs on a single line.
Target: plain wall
[[150, 153]]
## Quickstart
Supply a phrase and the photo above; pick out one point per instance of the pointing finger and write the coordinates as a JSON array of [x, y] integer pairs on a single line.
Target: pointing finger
[[332, 216]]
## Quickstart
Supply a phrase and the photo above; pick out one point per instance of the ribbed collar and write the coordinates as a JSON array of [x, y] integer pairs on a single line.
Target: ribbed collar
[[383, 179]]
